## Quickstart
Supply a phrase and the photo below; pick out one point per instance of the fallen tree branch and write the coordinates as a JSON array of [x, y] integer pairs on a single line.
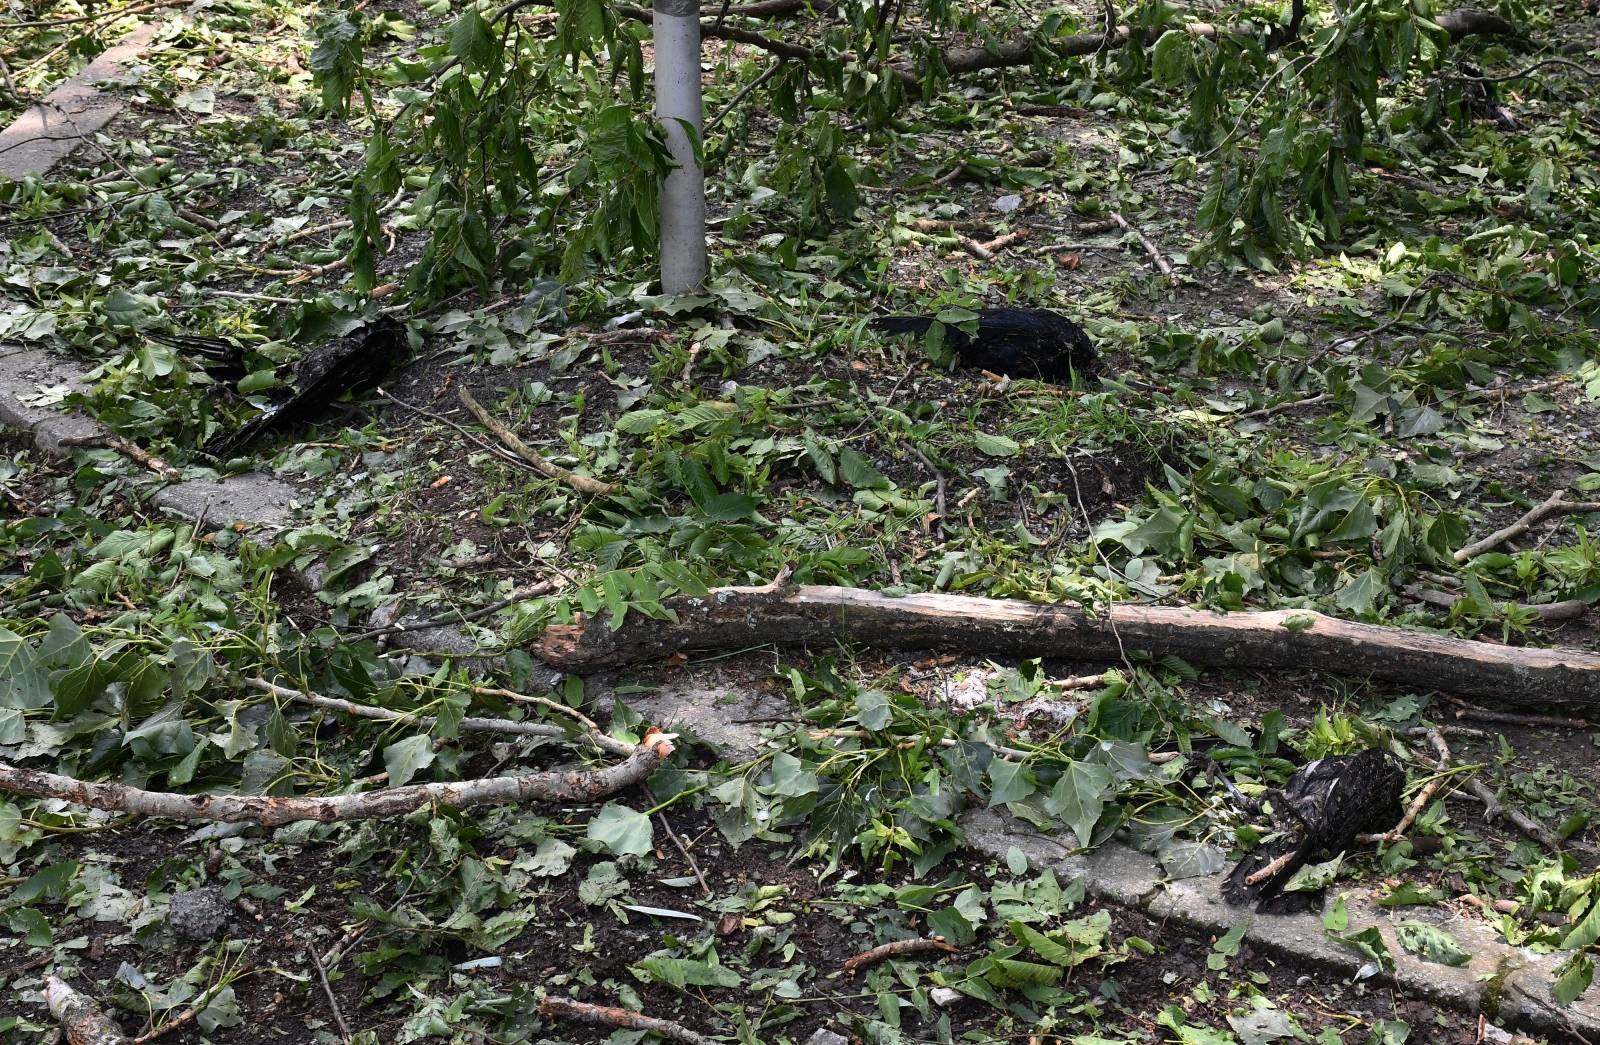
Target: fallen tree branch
[[575, 785], [81, 1019], [1550, 612], [609, 1016], [895, 949], [735, 618], [1485, 715], [1555, 504], [128, 449], [1524, 823], [590, 731], [1424, 796], [580, 483]]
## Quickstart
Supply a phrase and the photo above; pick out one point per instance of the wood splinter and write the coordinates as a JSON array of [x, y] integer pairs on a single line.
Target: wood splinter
[[896, 949], [611, 1016], [130, 450]]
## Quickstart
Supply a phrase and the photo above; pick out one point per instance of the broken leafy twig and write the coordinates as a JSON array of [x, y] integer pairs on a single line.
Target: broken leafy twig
[[580, 483], [575, 785]]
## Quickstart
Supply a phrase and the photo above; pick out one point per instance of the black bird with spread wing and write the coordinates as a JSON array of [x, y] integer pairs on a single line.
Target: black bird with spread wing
[[1013, 342], [355, 363], [1321, 810]]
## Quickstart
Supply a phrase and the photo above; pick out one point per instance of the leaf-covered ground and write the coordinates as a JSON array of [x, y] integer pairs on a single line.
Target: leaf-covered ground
[[1319, 432]]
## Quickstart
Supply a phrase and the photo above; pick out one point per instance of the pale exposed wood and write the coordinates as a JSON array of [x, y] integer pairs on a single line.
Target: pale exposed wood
[[1149, 247], [553, 1008], [128, 449], [735, 618], [574, 785], [894, 949], [80, 1018]]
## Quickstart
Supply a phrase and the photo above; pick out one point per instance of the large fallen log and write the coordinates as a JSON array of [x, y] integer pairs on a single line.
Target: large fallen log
[[735, 618]]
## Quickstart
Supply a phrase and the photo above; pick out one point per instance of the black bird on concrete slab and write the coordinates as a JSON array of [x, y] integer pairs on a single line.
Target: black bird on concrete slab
[[1012, 342], [355, 363], [1318, 813]]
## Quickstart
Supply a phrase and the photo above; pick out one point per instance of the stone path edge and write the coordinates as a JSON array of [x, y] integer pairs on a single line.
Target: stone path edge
[[1511, 984]]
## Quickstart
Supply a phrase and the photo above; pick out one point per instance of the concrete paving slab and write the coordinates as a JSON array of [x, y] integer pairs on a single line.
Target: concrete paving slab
[[57, 124], [29, 380], [253, 498]]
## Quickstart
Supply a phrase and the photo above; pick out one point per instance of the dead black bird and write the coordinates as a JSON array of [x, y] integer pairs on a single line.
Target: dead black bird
[[221, 358], [1319, 813], [1014, 342], [355, 363]]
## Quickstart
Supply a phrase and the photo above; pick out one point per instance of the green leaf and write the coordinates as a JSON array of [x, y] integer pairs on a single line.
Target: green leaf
[[1079, 797], [790, 778], [1573, 977], [1586, 932], [621, 830], [472, 40], [681, 972], [1009, 782], [858, 471], [996, 445], [1227, 946], [1431, 943], [1409, 894], [1370, 943], [872, 709], [23, 683], [1337, 920], [405, 758]]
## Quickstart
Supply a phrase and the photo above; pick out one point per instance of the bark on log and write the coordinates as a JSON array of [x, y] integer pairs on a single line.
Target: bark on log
[[270, 811], [734, 618], [80, 1018]]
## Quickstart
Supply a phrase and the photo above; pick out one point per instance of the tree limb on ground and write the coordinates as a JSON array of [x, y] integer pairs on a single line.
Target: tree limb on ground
[[736, 618], [573, 785], [1555, 504]]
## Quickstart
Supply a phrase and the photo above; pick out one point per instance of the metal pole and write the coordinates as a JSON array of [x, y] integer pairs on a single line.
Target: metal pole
[[683, 193]]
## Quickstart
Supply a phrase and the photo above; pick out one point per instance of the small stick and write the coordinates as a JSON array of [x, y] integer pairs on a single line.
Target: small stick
[[580, 483], [894, 949], [1000, 243], [1149, 247], [610, 1016], [1080, 682], [490, 448], [133, 452], [693, 866], [1271, 868], [1424, 796], [939, 490], [1555, 504], [1526, 824], [976, 249], [1485, 715], [467, 725], [327, 989], [1287, 404]]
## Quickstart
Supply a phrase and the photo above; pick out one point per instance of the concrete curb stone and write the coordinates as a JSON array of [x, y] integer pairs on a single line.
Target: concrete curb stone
[[55, 126], [1500, 980]]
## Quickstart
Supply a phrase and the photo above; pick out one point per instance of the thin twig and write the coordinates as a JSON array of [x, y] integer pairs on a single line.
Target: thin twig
[[481, 443], [327, 989], [133, 452], [745, 92], [1149, 247], [1473, 711], [895, 949], [1272, 868], [580, 483], [1287, 404], [693, 865]]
